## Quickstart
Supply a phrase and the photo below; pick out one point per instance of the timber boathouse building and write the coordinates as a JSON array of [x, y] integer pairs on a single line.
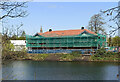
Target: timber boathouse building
[[65, 41]]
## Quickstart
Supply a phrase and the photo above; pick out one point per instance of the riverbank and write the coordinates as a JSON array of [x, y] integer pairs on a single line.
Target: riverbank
[[100, 56], [68, 57], [56, 57]]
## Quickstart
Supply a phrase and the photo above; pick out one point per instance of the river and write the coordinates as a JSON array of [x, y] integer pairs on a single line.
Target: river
[[36, 70]]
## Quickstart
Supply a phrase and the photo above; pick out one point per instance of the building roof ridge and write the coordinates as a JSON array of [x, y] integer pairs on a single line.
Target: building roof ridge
[[65, 32]]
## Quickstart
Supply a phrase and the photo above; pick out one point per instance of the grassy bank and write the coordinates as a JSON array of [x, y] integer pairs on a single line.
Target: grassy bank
[[69, 57], [56, 57], [101, 55], [106, 57], [14, 55]]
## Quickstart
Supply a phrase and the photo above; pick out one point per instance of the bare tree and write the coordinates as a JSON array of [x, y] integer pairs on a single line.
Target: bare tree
[[13, 30], [113, 15], [18, 27], [13, 9], [96, 24]]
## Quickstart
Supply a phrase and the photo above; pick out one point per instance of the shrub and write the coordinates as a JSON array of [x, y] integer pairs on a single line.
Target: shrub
[[110, 53], [67, 57], [76, 53], [40, 56], [101, 52]]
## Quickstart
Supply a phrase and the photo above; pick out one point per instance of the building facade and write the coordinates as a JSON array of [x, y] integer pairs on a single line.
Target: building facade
[[65, 41], [19, 45]]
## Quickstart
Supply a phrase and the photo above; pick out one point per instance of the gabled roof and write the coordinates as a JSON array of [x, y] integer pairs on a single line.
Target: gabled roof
[[65, 33]]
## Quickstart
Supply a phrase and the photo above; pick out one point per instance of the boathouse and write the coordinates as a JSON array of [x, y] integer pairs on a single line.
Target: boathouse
[[65, 41]]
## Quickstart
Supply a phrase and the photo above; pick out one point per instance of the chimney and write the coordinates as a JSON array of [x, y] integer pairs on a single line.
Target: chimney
[[50, 30], [82, 28]]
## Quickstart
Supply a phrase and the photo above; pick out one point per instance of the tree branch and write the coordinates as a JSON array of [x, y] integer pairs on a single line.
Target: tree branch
[[13, 9]]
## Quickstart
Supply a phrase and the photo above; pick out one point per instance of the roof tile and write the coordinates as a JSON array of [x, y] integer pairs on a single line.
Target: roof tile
[[65, 33]]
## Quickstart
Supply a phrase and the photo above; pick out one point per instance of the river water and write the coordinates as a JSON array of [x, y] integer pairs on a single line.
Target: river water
[[36, 70]]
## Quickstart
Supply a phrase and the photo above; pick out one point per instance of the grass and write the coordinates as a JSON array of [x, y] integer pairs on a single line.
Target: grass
[[38, 56], [100, 55], [107, 57], [67, 57]]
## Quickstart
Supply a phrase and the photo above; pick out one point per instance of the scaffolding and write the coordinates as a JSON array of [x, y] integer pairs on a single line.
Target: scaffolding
[[81, 41]]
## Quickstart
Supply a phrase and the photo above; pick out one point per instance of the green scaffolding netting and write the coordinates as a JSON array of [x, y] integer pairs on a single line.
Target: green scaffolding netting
[[81, 40]]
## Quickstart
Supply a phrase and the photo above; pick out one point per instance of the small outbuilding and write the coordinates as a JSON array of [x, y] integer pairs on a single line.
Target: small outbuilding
[[19, 44]]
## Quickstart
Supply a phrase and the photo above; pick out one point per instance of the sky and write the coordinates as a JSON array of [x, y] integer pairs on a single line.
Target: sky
[[59, 15]]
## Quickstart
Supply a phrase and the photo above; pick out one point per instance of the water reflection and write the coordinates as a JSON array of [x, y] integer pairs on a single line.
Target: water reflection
[[35, 70]]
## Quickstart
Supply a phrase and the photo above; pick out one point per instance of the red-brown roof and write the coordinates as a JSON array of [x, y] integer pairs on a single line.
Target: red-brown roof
[[65, 33]]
